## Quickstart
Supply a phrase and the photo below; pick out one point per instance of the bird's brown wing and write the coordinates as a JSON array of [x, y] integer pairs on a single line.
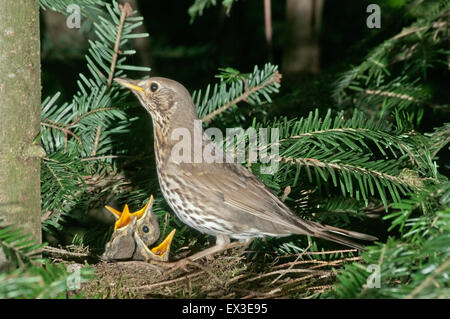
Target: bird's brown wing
[[242, 193]]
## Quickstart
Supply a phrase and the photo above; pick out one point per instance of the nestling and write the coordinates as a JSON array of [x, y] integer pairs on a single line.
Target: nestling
[[133, 235]]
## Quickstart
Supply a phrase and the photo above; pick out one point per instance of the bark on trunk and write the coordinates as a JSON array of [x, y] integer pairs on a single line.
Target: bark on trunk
[[20, 98]]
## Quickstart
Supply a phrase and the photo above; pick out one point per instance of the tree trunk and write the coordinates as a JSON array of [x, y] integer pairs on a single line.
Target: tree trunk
[[20, 98], [301, 52]]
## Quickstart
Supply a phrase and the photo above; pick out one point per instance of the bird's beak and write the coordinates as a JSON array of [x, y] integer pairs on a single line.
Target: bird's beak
[[163, 249], [130, 84]]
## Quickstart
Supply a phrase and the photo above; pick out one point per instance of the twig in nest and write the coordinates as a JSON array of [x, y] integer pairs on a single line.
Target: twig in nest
[[335, 262], [284, 271], [136, 264], [65, 254], [205, 269], [290, 267], [168, 282], [321, 263]]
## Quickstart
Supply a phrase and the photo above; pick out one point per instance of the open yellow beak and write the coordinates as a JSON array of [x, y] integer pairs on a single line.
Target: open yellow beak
[[129, 84], [124, 217], [162, 249]]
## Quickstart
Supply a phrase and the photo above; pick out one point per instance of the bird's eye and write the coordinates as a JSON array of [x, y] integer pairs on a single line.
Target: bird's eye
[[153, 87], [145, 229]]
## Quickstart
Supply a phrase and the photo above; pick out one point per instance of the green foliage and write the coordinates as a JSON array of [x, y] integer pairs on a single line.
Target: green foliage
[[341, 167], [61, 5], [196, 9], [396, 3], [235, 87], [407, 269], [47, 280], [360, 156], [338, 151], [399, 74], [30, 276], [399, 80], [439, 139], [380, 156], [80, 136], [20, 250]]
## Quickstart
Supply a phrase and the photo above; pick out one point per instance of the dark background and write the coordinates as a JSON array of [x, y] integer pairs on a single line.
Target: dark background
[[191, 53]]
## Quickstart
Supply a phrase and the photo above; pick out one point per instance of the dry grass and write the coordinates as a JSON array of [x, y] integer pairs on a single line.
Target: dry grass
[[226, 275]]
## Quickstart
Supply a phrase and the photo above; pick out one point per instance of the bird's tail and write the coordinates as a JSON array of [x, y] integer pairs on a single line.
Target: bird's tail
[[339, 235]]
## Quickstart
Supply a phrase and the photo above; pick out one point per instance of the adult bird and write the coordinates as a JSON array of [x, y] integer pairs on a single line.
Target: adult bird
[[222, 199]]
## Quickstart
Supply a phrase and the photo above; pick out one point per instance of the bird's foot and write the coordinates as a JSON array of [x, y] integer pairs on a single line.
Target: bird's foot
[[221, 245], [209, 252], [179, 264]]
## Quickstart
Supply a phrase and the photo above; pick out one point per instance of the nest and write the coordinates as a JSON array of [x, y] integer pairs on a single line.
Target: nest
[[226, 275]]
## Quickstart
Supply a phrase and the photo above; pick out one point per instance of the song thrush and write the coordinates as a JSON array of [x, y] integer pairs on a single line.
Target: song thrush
[[221, 199]]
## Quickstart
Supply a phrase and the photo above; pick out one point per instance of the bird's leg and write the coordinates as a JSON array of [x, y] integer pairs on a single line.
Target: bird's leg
[[222, 240], [222, 243], [246, 242]]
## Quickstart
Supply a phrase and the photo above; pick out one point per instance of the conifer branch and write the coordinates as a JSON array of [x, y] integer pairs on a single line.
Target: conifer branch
[[59, 180], [392, 94], [312, 162], [79, 118], [125, 11], [97, 138], [96, 158], [65, 131], [414, 29], [430, 279], [65, 128], [276, 77], [235, 87]]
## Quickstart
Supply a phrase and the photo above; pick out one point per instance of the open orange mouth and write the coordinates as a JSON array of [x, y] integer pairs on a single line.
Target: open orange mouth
[[164, 247], [124, 216]]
